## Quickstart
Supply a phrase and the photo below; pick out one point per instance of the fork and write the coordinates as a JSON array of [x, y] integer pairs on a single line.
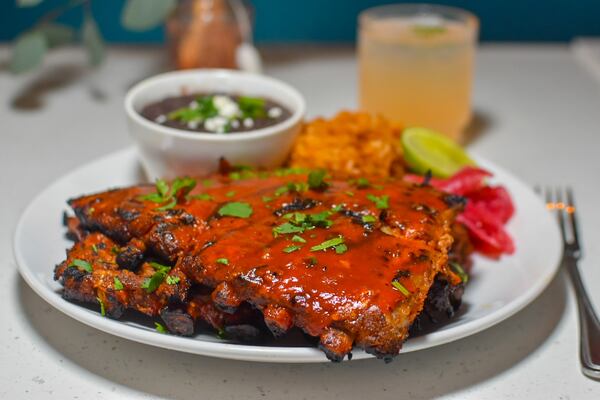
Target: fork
[[560, 201]]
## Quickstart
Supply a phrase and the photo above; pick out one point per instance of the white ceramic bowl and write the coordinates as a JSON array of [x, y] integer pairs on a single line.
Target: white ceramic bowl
[[168, 152]]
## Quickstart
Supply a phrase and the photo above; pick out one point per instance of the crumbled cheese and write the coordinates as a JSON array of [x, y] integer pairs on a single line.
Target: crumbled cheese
[[216, 124], [275, 112], [248, 122], [194, 104], [235, 123], [193, 124], [226, 106], [161, 119]]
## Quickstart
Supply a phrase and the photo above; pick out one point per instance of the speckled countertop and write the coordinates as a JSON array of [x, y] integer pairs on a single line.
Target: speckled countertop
[[539, 117]]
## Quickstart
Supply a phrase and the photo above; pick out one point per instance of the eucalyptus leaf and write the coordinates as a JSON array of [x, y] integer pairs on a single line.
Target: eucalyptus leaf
[[92, 40], [28, 3], [57, 34], [141, 15], [28, 52]]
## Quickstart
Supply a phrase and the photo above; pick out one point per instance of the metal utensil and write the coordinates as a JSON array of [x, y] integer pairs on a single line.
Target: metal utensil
[[560, 201]]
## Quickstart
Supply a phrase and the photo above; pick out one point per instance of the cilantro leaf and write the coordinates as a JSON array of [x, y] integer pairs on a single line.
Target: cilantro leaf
[[287, 228], [173, 280], [298, 239], [381, 202], [368, 218], [362, 183], [316, 179], [398, 286], [252, 107], [160, 328], [162, 187], [341, 248], [292, 248], [152, 283], [118, 283], [81, 265], [328, 243], [459, 270], [223, 261], [102, 307], [236, 209], [202, 196]]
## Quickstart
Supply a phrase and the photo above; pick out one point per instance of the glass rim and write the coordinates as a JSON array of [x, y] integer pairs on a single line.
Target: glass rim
[[468, 18]]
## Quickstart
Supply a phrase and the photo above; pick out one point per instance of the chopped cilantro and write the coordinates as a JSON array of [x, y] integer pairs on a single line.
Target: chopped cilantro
[[231, 193], [381, 202], [400, 288], [160, 267], [287, 228], [341, 248], [328, 243], [349, 193], [368, 218], [162, 187], [296, 217], [252, 107], [337, 208], [167, 196], [312, 261], [290, 187], [316, 179], [172, 280], [207, 183], [223, 261], [321, 219], [281, 190], [459, 270], [290, 171], [267, 199], [81, 265], [102, 306], [172, 203], [204, 109], [298, 239], [236, 209], [202, 196], [160, 328], [362, 183], [291, 248], [118, 283], [95, 249], [152, 283]]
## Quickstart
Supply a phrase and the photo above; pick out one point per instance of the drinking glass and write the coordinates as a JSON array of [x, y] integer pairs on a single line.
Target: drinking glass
[[416, 65]]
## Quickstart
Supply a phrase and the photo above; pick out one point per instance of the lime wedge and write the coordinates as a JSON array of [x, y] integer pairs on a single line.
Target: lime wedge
[[426, 150]]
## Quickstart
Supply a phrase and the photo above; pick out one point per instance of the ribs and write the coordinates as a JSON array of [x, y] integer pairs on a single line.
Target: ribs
[[350, 263]]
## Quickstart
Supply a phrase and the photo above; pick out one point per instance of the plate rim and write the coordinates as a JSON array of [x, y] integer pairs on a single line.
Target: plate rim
[[244, 352]]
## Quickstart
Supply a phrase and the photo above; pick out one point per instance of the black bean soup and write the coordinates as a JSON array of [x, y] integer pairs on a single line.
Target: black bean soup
[[216, 113]]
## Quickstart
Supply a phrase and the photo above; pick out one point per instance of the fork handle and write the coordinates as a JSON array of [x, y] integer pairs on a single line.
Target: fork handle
[[589, 326]]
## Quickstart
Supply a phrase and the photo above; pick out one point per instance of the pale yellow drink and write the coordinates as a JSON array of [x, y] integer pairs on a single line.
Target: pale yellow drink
[[418, 69]]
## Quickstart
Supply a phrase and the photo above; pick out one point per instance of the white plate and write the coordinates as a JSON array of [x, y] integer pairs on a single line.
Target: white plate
[[497, 289]]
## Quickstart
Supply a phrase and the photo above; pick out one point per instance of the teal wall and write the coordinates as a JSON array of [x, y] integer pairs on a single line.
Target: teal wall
[[335, 20]]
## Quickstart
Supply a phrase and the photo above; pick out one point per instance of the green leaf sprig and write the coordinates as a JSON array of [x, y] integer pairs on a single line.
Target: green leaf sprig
[[152, 283], [337, 243], [168, 195]]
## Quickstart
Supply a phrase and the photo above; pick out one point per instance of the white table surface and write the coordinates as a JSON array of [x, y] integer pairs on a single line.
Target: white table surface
[[541, 119]]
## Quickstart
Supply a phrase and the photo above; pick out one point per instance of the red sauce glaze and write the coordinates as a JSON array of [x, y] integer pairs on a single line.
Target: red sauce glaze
[[407, 242]]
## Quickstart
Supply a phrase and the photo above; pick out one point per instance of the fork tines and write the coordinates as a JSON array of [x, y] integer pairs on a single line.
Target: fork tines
[[562, 201]]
